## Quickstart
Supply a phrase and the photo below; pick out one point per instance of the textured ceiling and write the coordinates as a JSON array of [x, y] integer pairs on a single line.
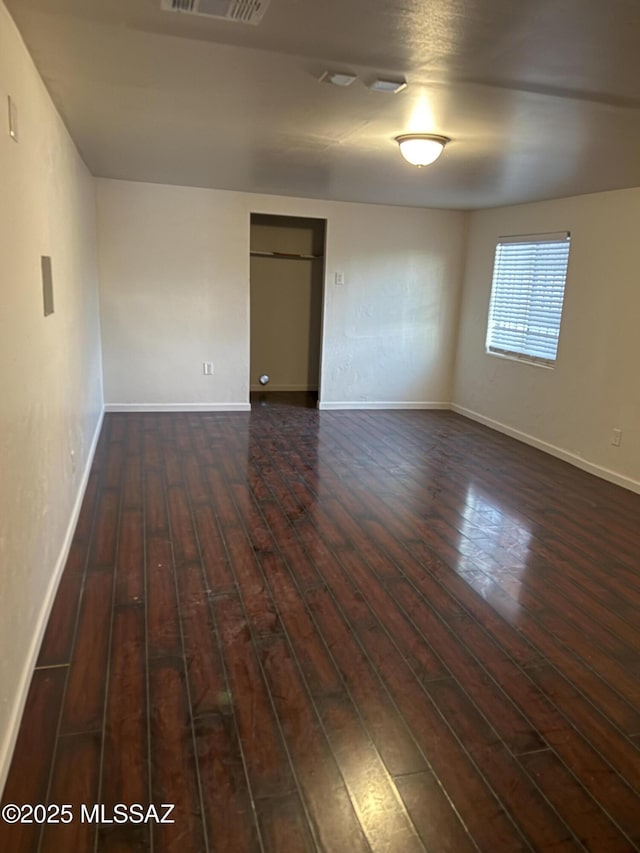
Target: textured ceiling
[[540, 99]]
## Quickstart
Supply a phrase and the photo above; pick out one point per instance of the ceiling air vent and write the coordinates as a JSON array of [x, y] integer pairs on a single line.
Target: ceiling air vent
[[242, 11]]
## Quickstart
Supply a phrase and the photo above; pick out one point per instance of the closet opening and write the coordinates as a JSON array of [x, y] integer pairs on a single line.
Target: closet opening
[[286, 301]]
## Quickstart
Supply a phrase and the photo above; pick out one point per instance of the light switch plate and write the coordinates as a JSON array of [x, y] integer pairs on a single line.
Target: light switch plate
[[47, 285]]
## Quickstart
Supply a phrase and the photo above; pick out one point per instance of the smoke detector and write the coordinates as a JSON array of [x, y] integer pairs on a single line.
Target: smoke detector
[[241, 11]]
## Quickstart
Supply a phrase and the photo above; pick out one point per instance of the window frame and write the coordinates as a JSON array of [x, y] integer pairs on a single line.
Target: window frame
[[563, 237]]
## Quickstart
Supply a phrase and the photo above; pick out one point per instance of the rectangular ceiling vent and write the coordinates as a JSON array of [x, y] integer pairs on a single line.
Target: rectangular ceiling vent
[[242, 11]]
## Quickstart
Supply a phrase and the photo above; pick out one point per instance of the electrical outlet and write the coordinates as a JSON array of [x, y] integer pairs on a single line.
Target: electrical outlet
[[616, 437], [338, 278], [207, 368]]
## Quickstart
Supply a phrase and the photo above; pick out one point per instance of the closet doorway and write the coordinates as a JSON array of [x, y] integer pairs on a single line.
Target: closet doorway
[[287, 274]]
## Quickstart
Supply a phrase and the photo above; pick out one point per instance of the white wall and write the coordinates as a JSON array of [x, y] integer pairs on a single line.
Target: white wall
[[572, 409], [174, 269], [174, 277], [50, 372]]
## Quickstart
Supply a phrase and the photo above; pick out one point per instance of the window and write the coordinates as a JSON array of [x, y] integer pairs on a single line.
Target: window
[[527, 293]]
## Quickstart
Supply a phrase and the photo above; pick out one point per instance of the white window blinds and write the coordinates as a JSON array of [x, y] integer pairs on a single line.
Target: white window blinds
[[529, 275]]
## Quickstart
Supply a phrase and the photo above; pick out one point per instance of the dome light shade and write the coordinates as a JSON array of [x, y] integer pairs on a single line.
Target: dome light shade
[[421, 149]]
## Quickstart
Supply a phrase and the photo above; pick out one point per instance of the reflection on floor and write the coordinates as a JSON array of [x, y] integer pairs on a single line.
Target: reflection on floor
[[338, 631], [284, 399]]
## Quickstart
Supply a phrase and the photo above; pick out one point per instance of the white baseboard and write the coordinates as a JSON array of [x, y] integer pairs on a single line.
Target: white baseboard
[[551, 449], [360, 404], [11, 735], [177, 407]]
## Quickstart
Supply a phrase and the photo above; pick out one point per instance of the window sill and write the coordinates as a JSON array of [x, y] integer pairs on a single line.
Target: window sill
[[520, 360]]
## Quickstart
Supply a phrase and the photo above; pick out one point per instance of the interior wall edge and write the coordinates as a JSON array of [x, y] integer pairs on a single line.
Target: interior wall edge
[[459, 303], [19, 700], [553, 450]]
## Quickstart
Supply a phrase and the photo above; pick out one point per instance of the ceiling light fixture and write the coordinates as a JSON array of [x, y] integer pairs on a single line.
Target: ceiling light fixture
[[421, 149], [389, 87], [338, 78]]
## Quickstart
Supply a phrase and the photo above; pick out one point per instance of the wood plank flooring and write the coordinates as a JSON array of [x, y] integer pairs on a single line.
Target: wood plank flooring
[[341, 632]]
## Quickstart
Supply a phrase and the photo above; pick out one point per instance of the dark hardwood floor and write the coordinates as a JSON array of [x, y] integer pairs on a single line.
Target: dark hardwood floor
[[339, 631], [304, 399]]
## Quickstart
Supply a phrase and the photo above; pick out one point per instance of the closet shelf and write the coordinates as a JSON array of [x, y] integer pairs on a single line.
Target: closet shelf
[[290, 255]]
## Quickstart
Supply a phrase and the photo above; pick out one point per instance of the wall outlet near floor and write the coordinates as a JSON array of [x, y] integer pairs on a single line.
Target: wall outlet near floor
[[616, 437], [207, 368]]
